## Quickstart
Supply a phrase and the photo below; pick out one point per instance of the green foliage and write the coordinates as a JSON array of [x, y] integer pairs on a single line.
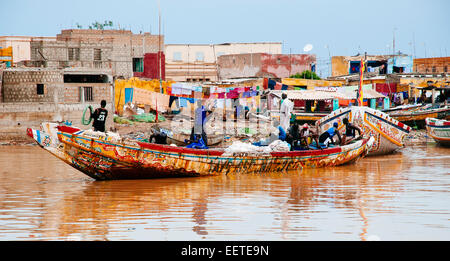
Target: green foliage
[[306, 75], [98, 26]]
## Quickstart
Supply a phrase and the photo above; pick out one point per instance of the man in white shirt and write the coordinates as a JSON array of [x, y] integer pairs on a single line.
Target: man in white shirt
[[285, 111]]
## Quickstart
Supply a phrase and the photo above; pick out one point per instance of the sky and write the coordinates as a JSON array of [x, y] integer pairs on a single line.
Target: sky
[[333, 27]]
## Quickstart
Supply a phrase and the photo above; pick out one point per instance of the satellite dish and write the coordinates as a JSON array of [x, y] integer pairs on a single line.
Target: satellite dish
[[307, 48]]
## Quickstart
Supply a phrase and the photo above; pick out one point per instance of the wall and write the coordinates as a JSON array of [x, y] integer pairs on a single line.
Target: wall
[[282, 66], [22, 107], [15, 118], [426, 65], [186, 67], [151, 66], [263, 65], [21, 85], [401, 61], [118, 48], [339, 66], [21, 46], [239, 65]]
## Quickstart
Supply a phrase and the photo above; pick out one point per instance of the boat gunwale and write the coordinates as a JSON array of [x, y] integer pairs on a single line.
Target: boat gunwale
[[215, 153]]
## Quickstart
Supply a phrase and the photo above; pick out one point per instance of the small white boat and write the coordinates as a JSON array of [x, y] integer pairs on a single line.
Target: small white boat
[[439, 130]]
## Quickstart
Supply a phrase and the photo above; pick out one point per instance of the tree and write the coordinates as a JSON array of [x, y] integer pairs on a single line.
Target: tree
[[98, 26], [307, 74]]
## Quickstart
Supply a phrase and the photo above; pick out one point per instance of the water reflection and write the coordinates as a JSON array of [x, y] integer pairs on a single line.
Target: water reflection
[[41, 198]]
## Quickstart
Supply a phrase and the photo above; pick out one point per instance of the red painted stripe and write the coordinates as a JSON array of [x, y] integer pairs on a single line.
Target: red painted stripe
[[167, 148], [68, 129], [306, 152], [446, 123]]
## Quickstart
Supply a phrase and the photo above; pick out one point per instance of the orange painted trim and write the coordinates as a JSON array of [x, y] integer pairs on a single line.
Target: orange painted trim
[[382, 133]]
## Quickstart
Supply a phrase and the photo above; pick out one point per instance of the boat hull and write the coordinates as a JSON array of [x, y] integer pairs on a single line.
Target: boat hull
[[387, 132], [439, 130], [417, 117], [105, 159]]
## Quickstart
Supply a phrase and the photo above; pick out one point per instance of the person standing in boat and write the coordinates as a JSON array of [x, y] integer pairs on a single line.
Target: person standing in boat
[[350, 131], [327, 137], [99, 117], [285, 111]]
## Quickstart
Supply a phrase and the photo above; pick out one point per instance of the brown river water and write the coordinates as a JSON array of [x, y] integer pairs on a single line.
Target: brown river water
[[403, 196]]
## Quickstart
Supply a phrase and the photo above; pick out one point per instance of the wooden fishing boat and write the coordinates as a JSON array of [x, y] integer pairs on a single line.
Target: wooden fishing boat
[[106, 157], [439, 130], [416, 117], [179, 138], [309, 117], [403, 108], [388, 133]]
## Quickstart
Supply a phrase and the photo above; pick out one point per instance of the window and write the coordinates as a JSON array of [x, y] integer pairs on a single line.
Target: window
[[433, 69], [97, 54], [177, 56], [74, 54], [40, 89], [86, 94], [199, 56], [138, 64], [445, 68]]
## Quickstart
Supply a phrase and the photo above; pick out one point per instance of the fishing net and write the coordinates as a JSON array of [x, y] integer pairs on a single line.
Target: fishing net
[[147, 117], [121, 120]]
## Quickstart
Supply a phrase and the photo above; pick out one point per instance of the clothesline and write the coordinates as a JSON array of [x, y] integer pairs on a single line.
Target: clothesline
[[202, 92]]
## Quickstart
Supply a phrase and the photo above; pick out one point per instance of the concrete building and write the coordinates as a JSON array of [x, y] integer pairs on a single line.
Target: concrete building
[[33, 95], [432, 65], [121, 51], [20, 46], [260, 65], [198, 62], [379, 64]]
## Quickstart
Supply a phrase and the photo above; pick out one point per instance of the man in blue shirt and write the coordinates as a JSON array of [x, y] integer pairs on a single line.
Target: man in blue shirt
[[327, 137]]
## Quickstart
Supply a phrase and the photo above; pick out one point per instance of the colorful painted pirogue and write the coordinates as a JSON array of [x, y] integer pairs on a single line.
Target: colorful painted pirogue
[[416, 116], [388, 133], [439, 130], [104, 157]]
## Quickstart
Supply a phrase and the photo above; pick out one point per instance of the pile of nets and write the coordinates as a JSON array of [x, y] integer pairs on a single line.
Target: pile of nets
[[147, 117], [143, 117], [247, 149], [121, 120]]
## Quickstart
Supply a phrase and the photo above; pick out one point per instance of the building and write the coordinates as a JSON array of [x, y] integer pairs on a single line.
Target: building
[[198, 62], [121, 51], [34, 95], [152, 67], [432, 65], [378, 64], [20, 46], [263, 65]]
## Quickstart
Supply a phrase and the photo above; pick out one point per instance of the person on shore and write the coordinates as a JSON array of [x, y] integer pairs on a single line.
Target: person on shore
[[285, 111], [99, 117], [327, 137]]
